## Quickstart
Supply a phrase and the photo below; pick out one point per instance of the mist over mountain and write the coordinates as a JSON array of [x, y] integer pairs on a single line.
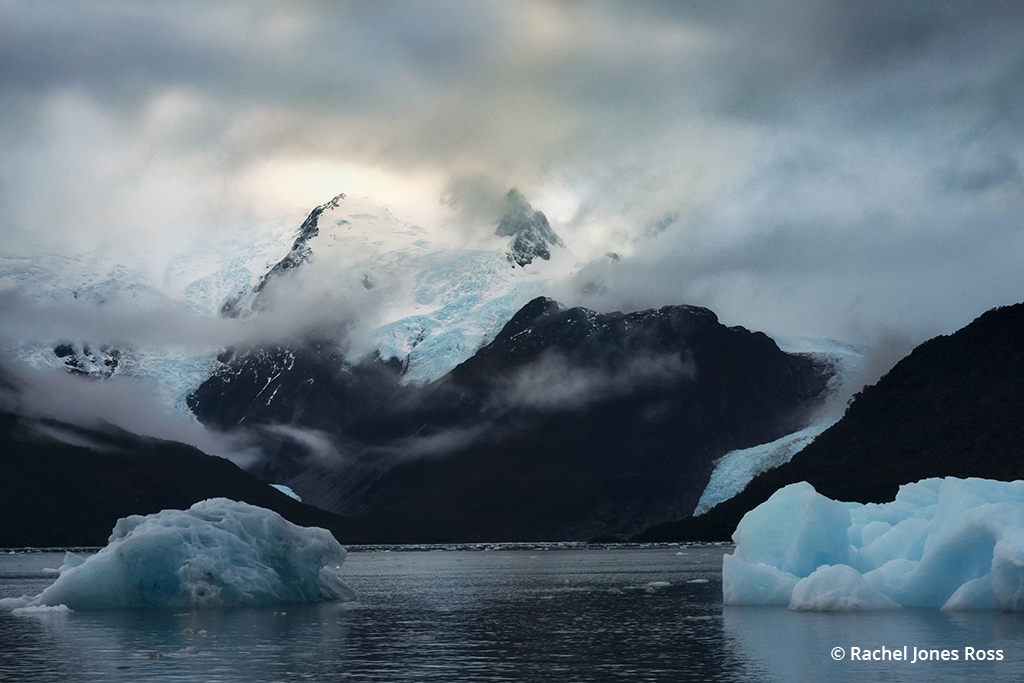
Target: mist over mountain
[[533, 236], [431, 398], [215, 202], [248, 300], [569, 424], [67, 485]]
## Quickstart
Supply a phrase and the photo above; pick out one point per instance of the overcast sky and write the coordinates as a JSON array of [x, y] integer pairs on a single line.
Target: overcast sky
[[840, 168]]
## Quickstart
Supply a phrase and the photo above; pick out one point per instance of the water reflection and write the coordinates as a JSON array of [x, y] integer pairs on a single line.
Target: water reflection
[[565, 615], [798, 645]]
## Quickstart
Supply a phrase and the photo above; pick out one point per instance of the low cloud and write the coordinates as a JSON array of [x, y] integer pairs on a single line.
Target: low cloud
[[126, 403], [834, 169], [323, 448], [553, 383]]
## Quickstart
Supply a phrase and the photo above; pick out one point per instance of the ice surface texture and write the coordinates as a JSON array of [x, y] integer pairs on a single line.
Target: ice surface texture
[[217, 553], [949, 543]]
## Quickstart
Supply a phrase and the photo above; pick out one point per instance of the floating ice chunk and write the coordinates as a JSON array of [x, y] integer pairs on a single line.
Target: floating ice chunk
[[796, 530], [837, 588], [39, 609], [951, 543], [873, 530], [71, 560], [217, 553], [904, 540], [755, 584]]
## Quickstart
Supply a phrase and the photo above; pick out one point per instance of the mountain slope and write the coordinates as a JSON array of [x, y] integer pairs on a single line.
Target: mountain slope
[[532, 235], [952, 407], [569, 424], [65, 485], [415, 289]]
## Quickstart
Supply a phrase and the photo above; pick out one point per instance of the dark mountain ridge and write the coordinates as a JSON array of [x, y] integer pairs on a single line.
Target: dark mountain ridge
[[570, 424], [299, 253], [66, 485], [953, 407]]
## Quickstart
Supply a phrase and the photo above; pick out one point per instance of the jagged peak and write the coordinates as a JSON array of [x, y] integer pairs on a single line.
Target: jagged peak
[[532, 234], [296, 256]]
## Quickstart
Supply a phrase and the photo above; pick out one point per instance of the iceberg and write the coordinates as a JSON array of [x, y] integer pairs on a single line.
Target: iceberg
[[218, 553], [951, 543]]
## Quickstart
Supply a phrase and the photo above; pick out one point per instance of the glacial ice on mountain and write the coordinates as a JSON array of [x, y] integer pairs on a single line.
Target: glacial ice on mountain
[[949, 543], [286, 490], [734, 470], [427, 297], [217, 553]]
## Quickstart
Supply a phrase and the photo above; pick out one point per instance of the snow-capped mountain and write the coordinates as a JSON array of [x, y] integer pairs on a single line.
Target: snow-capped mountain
[[434, 302], [532, 236], [569, 424], [418, 293]]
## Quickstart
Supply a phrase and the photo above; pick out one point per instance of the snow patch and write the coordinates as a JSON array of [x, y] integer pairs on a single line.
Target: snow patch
[[287, 491]]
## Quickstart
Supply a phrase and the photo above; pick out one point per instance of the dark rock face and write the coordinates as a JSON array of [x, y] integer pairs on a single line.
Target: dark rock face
[[65, 485], [570, 424], [533, 236], [952, 407], [309, 384], [247, 301], [87, 361]]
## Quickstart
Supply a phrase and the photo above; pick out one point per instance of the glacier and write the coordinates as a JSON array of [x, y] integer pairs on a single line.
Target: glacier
[[950, 543], [423, 294], [734, 470], [218, 553]]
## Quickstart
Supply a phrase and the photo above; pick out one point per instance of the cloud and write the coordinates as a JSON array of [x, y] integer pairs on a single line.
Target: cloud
[[554, 384], [834, 168], [127, 403], [322, 447]]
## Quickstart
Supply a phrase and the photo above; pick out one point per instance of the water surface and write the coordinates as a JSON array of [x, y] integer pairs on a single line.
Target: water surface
[[615, 614]]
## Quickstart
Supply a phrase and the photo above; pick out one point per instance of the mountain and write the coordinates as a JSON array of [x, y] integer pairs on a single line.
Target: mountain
[[418, 291], [532, 235], [248, 300], [569, 424], [951, 408], [66, 485], [394, 355]]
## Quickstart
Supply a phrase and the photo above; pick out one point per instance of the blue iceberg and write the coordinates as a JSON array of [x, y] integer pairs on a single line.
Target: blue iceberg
[[217, 553], [950, 543]]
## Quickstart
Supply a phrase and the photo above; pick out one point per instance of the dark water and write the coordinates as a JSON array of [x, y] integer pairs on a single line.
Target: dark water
[[637, 614]]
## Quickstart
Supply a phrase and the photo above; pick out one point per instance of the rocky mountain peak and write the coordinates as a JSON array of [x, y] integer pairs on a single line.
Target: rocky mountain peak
[[532, 234], [247, 301]]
